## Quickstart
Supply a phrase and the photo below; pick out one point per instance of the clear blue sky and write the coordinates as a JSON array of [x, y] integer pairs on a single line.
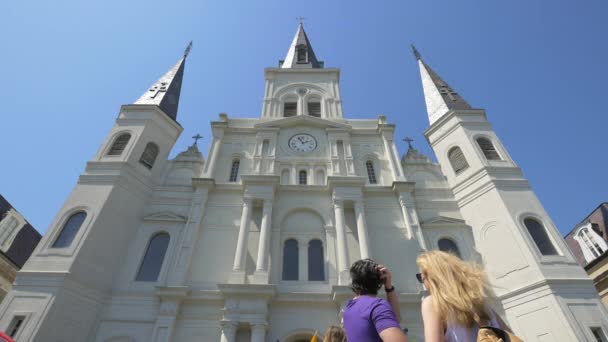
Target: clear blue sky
[[538, 68]]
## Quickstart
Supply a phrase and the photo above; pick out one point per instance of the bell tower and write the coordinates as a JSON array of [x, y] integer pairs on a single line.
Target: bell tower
[[527, 261], [73, 268]]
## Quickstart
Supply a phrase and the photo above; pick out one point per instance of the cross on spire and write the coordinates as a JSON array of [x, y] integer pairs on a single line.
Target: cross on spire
[[196, 138], [409, 141], [188, 48], [300, 19]]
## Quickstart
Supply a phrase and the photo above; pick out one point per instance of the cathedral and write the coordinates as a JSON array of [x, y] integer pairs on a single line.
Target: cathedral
[[254, 242]]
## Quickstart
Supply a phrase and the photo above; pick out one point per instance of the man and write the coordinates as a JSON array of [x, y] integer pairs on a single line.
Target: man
[[368, 318]]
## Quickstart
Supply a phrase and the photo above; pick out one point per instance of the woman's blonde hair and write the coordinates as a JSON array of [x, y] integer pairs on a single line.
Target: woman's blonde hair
[[459, 289], [334, 334]]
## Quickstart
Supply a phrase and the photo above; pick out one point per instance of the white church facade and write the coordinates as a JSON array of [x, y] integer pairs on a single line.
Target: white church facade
[[254, 242]]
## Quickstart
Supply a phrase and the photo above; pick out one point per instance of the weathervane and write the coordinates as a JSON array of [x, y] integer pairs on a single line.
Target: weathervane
[[301, 19], [196, 138]]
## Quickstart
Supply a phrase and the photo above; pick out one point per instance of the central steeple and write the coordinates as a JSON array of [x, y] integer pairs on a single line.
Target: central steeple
[[300, 53]]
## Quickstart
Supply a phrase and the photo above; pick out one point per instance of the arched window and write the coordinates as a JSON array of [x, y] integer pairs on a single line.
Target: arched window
[[488, 149], [69, 230], [149, 156], [119, 144], [371, 173], [449, 246], [154, 257], [314, 108], [457, 159], [290, 109], [540, 237], [234, 170], [591, 243], [290, 260], [302, 178], [316, 262]]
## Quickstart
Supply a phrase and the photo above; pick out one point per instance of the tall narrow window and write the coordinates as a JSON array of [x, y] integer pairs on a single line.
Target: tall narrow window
[[314, 109], [457, 159], [69, 230], [290, 109], [15, 325], [302, 179], [234, 170], [371, 173], [301, 58], [540, 237], [149, 156], [591, 243], [599, 335], [449, 246], [488, 149], [290, 260], [154, 257], [316, 263], [119, 144]]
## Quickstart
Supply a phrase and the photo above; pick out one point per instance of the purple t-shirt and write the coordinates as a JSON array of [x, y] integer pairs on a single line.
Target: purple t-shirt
[[365, 317]]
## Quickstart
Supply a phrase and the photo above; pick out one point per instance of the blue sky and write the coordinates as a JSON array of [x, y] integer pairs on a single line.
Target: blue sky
[[538, 68]]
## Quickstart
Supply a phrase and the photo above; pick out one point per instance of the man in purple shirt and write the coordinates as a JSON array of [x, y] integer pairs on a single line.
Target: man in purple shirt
[[368, 318]]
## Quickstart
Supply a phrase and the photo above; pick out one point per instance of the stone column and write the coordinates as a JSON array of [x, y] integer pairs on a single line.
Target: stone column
[[311, 175], [238, 269], [341, 242], [213, 155], [294, 174], [258, 332], [410, 218], [388, 151], [261, 271], [302, 262], [228, 331], [362, 229]]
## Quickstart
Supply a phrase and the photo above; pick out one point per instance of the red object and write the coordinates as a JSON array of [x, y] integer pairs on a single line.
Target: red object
[[4, 338]]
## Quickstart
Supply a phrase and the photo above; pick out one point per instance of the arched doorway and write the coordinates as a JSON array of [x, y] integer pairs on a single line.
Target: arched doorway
[[299, 337]]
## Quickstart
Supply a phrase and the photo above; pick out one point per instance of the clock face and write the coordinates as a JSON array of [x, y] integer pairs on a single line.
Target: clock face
[[302, 143]]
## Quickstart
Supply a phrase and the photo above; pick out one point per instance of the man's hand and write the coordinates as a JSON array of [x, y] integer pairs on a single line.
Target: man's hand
[[385, 276]]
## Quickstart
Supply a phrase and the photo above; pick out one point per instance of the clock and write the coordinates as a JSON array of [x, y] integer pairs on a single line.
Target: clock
[[302, 143]]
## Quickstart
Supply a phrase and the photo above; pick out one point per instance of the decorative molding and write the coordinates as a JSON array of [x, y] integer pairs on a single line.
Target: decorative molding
[[442, 221], [165, 216]]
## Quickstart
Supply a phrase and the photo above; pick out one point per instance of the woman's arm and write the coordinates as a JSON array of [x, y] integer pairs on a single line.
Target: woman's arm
[[433, 327]]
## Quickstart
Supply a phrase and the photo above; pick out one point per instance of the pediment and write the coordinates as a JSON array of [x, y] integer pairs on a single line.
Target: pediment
[[302, 120], [443, 221], [165, 216]]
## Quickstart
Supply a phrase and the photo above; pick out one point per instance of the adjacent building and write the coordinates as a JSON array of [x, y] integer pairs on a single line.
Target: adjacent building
[[589, 244], [254, 242], [17, 242]]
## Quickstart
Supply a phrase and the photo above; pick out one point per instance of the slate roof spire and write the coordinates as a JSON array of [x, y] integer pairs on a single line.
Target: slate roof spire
[[440, 98], [165, 92], [300, 54]]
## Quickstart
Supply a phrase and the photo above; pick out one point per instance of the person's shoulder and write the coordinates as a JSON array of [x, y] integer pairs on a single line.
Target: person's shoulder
[[427, 303]]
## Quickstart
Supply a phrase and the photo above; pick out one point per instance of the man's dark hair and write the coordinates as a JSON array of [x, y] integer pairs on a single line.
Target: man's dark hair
[[365, 277]]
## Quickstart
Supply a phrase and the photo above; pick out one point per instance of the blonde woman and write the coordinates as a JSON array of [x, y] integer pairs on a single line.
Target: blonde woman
[[334, 334], [457, 304]]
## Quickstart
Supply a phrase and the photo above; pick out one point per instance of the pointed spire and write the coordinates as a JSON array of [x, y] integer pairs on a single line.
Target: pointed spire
[[165, 92], [300, 53], [440, 98]]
